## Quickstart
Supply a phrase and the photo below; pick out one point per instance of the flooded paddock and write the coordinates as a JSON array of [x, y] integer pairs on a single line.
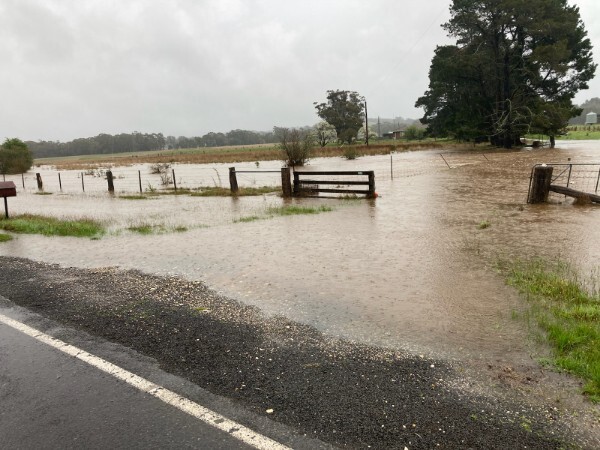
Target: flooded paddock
[[412, 269]]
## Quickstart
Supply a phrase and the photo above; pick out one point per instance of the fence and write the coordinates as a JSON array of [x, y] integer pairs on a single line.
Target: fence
[[343, 182], [579, 180], [135, 179]]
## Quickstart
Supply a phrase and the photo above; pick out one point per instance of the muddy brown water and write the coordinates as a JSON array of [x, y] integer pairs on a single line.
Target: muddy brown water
[[411, 269]]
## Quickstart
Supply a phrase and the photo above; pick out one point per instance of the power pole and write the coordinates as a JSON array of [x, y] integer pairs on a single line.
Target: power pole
[[366, 124], [378, 127]]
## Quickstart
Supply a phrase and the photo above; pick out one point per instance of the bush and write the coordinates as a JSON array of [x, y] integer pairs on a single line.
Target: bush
[[296, 145], [15, 157], [350, 152], [414, 133]]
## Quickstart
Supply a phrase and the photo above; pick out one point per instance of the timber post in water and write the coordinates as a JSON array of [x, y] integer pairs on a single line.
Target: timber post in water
[[40, 185], [109, 178], [540, 184], [233, 180], [286, 182]]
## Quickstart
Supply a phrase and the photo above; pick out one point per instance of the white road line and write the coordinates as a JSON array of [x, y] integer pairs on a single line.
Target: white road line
[[232, 428]]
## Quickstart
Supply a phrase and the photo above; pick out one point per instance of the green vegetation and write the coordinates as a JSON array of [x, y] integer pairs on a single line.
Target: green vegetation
[[296, 145], [582, 132], [50, 226], [290, 210], [344, 111], [414, 133], [226, 192], [145, 229], [568, 314], [15, 157], [484, 224], [205, 192], [246, 219], [293, 210], [476, 86], [134, 197], [142, 229], [5, 237]]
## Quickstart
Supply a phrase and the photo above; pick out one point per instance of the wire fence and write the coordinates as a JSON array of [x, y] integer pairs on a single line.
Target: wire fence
[[581, 177], [138, 180]]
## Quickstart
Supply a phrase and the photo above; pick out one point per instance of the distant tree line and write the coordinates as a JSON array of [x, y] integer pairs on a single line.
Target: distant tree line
[[137, 142], [233, 137]]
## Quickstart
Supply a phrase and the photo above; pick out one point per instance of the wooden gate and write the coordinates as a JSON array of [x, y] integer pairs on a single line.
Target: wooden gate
[[311, 183]]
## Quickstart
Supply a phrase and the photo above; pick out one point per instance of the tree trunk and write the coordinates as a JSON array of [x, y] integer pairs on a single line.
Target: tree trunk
[[552, 141]]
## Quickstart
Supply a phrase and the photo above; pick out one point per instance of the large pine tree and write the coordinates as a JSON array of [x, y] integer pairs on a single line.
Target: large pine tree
[[514, 69]]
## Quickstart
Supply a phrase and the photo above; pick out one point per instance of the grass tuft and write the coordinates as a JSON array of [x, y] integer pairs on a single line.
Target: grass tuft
[[142, 229], [246, 219], [296, 210], [5, 237], [50, 226], [133, 197], [569, 315], [217, 191]]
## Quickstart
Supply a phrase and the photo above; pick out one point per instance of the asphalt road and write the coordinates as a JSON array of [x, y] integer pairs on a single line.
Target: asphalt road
[[283, 379], [49, 399]]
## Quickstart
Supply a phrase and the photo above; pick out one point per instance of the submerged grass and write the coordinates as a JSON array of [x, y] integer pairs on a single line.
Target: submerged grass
[[205, 192], [226, 192], [568, 314], [145, 229], [293, 210], [5, 237], [290, 210], [51, 226]]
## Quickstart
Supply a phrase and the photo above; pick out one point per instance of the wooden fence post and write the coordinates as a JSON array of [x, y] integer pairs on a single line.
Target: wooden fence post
[[82, 183], [140, 180], [540, 184], [286, 182], [371, 193], [40, 184], [109, 178], [296, 190], [233, 180], [59, 181], [174, 180]]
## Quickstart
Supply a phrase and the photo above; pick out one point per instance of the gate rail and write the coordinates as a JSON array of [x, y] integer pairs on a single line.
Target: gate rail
[[311, 186]]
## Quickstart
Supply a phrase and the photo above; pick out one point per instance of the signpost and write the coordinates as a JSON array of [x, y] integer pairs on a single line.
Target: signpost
[[7, 189]]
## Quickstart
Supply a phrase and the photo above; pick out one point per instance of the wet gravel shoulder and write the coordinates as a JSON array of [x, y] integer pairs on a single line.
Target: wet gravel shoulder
[[340, 392]]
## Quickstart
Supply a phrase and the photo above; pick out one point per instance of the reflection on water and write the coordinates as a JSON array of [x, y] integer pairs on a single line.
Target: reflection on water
[[412, 269]]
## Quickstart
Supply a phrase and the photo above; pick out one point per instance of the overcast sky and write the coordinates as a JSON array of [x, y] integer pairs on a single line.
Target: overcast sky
[[77, 68]]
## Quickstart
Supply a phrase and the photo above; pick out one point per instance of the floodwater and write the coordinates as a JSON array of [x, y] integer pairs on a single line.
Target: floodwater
[[412, 269]]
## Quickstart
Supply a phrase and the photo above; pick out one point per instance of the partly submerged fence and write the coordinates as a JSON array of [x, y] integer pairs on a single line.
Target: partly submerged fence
[[132, 179], [578, 180]]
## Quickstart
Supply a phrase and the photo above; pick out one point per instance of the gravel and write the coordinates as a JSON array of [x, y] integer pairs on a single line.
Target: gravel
[[347, 394]]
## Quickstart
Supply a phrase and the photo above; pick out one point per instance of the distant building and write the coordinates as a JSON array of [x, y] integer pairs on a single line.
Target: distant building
[[591, 118], [396, 134]]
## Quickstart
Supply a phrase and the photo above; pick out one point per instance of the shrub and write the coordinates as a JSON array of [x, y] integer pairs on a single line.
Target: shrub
[[295, 145], [15, 157]]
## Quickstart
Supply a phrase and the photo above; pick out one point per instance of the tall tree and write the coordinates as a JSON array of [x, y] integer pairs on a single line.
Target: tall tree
[[345, 111], [515, 68], [15, 157]]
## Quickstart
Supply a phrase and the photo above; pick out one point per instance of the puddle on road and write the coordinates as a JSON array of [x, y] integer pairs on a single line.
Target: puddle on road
[[412, 269]]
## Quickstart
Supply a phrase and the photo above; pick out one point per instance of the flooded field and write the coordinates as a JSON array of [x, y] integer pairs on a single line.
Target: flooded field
[[414, 268]]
